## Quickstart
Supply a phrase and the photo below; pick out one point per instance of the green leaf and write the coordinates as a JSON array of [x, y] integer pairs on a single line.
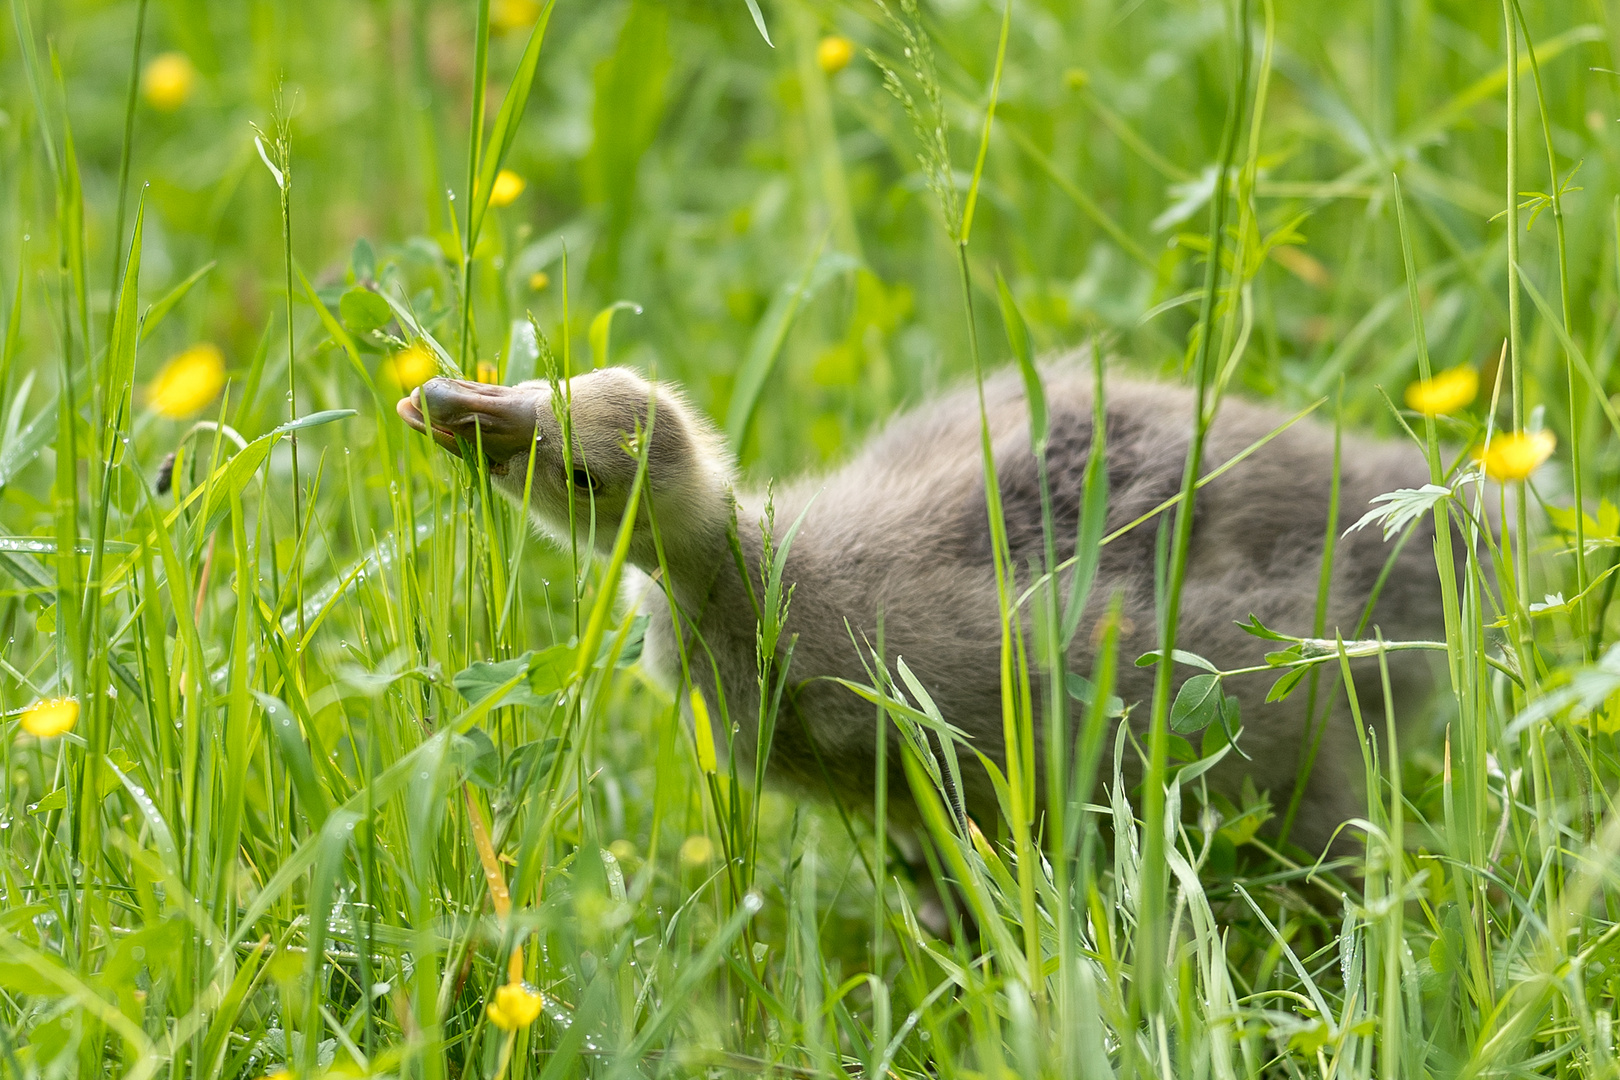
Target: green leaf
[[602, 328], [479, 680], [1024, 353], [505, 129], [289, 738], [1084, 691], [1180, 656], [1285, 685], [364, 311], [634, 641], [1400, 508], [759, 21], [528, 763], [551, 669], [363, 261], [1197, 705], [1260, 630], [159, 311], [314, 419], [770, 334], [474, 753]]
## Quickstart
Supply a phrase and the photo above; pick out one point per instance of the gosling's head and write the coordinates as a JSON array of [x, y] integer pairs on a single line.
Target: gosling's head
[[519, 430]]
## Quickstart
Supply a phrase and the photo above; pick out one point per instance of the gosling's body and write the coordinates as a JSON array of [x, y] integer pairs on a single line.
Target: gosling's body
[[900, 537]]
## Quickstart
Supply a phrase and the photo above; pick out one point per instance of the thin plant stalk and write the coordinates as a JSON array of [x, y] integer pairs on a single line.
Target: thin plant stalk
[[1152, 932]]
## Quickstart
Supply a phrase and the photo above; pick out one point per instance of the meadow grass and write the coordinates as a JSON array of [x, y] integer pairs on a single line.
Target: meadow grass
[[356, 776]]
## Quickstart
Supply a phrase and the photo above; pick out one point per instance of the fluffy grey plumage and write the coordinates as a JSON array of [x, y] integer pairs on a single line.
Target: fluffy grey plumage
[[902, 530]]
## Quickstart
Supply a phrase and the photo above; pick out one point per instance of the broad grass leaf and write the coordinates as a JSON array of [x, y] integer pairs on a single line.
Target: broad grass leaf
[[759, 21], [289, 739], [601, 331], [1018, 337]]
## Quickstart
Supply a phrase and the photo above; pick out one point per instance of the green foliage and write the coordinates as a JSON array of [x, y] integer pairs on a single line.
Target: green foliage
[[351, 743]]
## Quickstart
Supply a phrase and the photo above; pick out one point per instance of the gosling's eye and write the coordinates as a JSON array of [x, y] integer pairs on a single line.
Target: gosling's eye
[[583, 480]]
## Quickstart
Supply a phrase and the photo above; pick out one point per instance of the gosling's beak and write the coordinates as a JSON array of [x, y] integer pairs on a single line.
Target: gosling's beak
[[500, 419]]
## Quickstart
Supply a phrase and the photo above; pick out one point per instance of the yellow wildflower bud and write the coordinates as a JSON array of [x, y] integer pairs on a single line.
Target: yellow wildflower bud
[[834, 53], [1516, 454], [411, 366], [515, 1006], [486, 372], [1448, 392], [539, 280], [46, 719], [189, 381], [697, 850], [508, 186], [703, 732], [506, 16], [167, 81]]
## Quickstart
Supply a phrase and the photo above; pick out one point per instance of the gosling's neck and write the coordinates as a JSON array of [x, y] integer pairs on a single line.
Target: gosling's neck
[[693, 546]]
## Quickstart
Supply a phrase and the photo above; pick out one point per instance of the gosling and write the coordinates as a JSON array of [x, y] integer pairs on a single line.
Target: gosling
[[900, 535]]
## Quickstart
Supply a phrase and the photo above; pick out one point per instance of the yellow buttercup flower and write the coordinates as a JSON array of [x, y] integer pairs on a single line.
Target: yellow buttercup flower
[[167, 81], [539, 280], [45, 719], [189, 381], [515, 1006], [1516, 454], [697, 850], [508, 186], [486, 372], [506, 16], [834, 53], [411, 366], [1448, 392]]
